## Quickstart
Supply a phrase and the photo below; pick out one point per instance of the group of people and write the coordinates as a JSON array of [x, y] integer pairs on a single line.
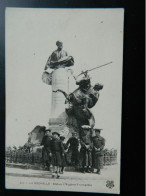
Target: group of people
[[86, 149]]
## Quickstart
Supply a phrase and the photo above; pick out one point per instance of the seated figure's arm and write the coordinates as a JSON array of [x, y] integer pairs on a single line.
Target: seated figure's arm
[[47, 63], [51, 58]]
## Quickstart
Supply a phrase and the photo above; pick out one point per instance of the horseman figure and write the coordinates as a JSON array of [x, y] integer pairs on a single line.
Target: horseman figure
[[82, 99]]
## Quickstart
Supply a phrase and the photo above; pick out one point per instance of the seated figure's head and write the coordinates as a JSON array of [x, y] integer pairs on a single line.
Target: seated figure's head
[[59, 44]]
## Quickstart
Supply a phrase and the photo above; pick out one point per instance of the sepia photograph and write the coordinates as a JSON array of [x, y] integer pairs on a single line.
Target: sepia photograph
[[64, 70]]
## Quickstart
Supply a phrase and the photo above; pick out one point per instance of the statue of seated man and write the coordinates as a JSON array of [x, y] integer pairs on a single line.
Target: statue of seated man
[[59, 58]]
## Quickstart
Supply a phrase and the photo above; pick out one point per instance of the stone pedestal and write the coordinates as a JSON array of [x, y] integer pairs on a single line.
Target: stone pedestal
[[57, 122]]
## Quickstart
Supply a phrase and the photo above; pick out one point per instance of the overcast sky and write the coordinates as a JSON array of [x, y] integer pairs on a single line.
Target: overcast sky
[[92, 36]]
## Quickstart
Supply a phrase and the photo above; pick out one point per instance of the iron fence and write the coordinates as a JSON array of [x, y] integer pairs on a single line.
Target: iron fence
[[35, 157]]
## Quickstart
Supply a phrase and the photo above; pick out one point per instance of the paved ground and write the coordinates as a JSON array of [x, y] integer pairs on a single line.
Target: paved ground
[[18, 172], [42, 180]]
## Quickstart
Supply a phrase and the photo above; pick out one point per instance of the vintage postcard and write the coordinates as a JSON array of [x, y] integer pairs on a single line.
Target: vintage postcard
[[63, 99]]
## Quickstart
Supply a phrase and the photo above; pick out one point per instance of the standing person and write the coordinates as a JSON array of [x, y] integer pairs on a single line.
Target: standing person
[[98, 146], [57, 151], [46, 149], [86, 149], [73, 143], [62, 138]]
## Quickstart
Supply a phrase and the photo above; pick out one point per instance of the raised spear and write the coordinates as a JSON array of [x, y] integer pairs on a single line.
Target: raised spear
[[85, 72]]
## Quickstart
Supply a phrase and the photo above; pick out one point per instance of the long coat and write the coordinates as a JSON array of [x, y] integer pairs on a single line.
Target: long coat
[[73, 150], [57, 150], [98, 143], [86, 150], [64, 158], [46, 150]]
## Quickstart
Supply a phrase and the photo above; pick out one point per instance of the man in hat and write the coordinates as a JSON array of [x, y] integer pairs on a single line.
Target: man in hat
[[46, 149], [97, 152], [73, 143], [57, 151], [86, 149], [56, 55]]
